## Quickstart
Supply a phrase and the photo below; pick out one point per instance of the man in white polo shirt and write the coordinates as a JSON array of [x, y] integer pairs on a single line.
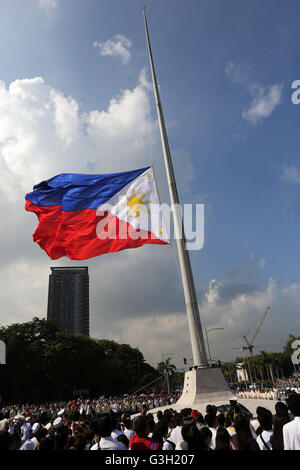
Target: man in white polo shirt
[[105, 427], [291, 430]]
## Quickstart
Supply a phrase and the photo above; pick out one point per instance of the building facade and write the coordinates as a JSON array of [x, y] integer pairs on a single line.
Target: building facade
[[68, 299], [241, 372]]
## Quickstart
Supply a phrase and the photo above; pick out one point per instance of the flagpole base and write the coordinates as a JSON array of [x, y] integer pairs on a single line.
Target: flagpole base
[[204, 386]]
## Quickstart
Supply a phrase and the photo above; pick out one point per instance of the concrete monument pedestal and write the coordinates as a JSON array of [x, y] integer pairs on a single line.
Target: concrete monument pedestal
[[204, 386]]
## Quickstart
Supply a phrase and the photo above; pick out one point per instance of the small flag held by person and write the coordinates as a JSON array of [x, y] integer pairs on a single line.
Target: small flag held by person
[[82, 216]]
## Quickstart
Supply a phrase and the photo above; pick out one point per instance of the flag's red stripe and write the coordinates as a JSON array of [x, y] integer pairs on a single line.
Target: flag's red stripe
[[74, 234]]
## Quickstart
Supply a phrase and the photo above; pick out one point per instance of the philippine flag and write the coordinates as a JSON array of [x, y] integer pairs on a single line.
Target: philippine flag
[[82, 216]]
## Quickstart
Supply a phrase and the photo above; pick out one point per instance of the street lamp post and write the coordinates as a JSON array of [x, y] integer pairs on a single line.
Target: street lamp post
[[207, 331]]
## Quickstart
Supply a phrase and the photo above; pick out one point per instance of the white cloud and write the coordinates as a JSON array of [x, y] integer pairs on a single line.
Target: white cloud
[[264, 102], [292, 291], [24, 291], [66, 117], [237, 315], [291, 174], [237, 310], [48, 5], [264, 98], [156, 335], [43, 133], [118, 46]]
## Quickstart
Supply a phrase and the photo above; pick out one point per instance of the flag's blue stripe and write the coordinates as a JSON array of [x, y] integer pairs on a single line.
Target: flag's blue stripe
[[73, 191]]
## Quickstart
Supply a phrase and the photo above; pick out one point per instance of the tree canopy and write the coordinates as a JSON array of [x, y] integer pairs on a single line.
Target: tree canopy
[[45, 364]]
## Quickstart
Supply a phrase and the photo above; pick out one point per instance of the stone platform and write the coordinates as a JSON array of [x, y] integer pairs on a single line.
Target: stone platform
[[208, 386], [203, 386]]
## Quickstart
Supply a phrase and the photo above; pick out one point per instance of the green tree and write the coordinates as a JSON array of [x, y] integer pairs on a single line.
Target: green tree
[[44, 364]]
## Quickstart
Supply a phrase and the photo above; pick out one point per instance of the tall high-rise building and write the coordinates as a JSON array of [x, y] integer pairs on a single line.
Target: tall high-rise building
[[68, 299]]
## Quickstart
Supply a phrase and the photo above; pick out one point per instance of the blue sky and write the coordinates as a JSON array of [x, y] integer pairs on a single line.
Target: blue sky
[[225, 71]]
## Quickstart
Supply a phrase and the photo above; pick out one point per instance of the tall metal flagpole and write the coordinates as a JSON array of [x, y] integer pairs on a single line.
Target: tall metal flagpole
[[196, 333]]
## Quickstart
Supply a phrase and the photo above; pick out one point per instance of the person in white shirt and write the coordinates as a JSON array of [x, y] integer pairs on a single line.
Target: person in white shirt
[[264, 438], [106, 442], [176, 435], [161, 430], [25, 427], [291, 430], [128, 430], [115, 432], [156, 403], [212, 423], [27, 445]]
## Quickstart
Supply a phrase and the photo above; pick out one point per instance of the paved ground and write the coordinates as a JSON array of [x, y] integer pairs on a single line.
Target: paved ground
[[251, 404]]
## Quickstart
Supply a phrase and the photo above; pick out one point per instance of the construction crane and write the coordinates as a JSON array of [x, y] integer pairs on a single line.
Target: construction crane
[[250, 344]]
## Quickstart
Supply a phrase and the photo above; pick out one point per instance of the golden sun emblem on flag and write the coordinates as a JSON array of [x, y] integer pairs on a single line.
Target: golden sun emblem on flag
[[137, 205]]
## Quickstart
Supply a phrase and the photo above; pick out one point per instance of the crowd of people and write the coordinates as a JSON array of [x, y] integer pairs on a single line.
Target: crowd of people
[[280, 390], [105, 424], [130, 404]]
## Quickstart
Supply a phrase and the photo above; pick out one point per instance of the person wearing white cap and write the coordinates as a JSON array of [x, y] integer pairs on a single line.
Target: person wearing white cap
[[60, 433], [233, 400], [58, 423], [24, 427]]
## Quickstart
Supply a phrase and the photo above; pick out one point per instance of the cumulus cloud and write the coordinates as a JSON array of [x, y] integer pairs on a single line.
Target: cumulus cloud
[[230, 303], [239, 313], [292, 291], [156, 335], [291, 174], [264, 98], [118, 46], [43, 133], [24, 290], [264, 102], [66, 117]]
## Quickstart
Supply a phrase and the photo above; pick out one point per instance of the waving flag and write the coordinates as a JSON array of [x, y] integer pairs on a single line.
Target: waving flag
[[82, 216]]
